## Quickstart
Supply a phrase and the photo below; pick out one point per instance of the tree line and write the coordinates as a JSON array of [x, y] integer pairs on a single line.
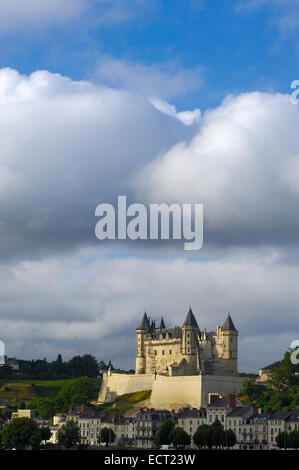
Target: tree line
[[78, 366], [281, 391], [205, 436]]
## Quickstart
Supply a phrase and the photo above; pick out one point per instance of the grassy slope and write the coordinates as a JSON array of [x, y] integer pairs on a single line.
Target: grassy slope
[[125, 403], [23, 390]]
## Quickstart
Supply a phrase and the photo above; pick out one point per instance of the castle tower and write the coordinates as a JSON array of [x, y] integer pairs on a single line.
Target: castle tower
[[140, 346], [190, 346], [229, 334]]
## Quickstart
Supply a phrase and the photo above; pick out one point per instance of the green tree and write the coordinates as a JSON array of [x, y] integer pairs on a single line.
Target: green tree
[[81, 390], [179, 437], [293, 439], [199, 435], [106, 435], [217, 433], [163, 433], [230, 438], [21, 433], [68, 435], [85, 365], [46, 407], [281, 440]]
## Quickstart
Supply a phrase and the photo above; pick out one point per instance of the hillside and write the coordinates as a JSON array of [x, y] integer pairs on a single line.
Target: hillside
[[26, 390], [127, 404]]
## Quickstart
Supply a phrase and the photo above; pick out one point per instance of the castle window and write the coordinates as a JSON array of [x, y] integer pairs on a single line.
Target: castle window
[[163, 352], [155, 353], [170, 351]]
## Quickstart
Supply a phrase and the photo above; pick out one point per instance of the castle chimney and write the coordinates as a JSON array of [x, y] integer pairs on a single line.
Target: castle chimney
[[255, 410], [106, 413], [232, 401], [173, 411], [82, 409], [269, 414]]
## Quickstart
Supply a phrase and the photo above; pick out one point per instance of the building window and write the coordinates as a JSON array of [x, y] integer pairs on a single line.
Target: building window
[[163, 352], [170, 351]]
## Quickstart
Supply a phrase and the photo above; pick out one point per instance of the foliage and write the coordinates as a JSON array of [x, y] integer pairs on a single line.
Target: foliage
[[282, 392], [179, 438], [288, 440], [82, 390], [164, 432], [78, 366], [214, 436], [45, 433], [21, 433], [73, 392], [106, 435], [68, 435]]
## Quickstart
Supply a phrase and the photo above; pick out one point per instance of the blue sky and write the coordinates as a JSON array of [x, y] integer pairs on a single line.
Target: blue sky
[[228, 46], [180, 101]]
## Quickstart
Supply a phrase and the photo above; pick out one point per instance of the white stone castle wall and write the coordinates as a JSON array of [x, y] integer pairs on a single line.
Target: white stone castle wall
[[170, 392]]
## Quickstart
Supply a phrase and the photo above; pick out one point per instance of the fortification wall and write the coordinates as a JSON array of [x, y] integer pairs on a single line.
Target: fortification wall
[[193, 391], [176, 392], [219, 384], [169, 392], [114, 384]]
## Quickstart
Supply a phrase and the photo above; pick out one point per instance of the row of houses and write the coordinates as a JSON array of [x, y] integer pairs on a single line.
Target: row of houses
[[253, 429]]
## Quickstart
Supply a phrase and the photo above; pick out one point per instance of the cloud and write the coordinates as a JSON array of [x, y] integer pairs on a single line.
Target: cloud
[[242, 165], [165, 80], [66, 147], [25, 14], [15, 14], [76, 300], [187, 117]]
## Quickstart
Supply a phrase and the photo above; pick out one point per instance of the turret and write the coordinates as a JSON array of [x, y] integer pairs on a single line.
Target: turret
[[140, 348], [190, 333], [229, 335], [162, 324]]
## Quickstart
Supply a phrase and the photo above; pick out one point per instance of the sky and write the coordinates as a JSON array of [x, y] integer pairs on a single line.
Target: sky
[[174, 101]]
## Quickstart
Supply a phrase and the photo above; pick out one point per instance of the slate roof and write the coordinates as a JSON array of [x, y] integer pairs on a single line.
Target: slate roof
[[294, 415], [239, 411], [144, 324], [218, 403], [228, 325], [192, 413], [162, 324], [281, 414], [190, 319]]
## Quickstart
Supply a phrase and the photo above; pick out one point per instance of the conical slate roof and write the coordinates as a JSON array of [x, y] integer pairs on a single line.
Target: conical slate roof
[[228, 325], [190, 319], [144, 324], [162, 324]]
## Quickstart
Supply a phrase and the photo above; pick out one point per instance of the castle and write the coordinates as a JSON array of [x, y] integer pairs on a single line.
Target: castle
[[182, 366], [186, 350]]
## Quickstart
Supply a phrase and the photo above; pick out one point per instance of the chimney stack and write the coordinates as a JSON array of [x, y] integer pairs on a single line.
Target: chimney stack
[[232, 401]]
